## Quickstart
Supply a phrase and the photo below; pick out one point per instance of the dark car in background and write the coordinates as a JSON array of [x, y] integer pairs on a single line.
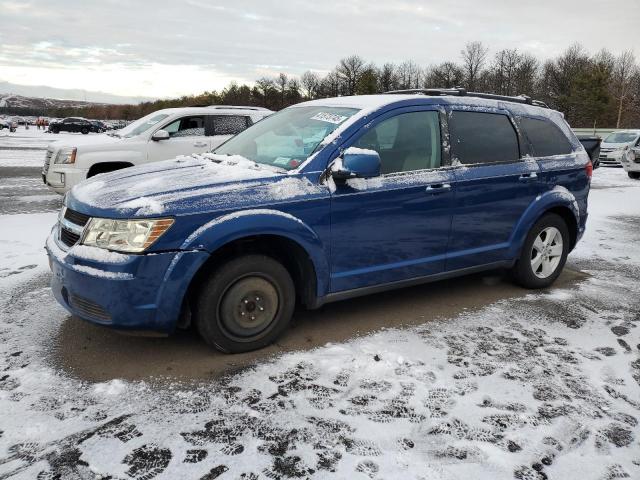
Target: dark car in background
[[591, 144], [72, 124], [98, 126]]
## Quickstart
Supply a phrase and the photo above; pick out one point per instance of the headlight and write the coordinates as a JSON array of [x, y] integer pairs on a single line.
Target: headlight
[[124, 235], [66, 155]]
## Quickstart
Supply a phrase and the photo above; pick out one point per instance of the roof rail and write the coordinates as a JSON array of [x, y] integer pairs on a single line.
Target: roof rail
[[461, 92], [234, 107]]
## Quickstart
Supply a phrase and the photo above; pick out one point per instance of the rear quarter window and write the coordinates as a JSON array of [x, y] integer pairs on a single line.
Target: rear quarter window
[[229, 124], [545, 137], [479, 137]]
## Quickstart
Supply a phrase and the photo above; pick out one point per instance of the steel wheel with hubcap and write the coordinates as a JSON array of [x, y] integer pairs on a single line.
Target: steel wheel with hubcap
[[248, 306], [544, 253], [245, 304]]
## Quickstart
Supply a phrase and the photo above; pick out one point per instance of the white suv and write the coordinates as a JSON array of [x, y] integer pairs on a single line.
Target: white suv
[[160, 135]]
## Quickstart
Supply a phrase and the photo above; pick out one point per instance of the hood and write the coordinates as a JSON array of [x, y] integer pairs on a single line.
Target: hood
[[191, 184], [615, 146], [78, 141]]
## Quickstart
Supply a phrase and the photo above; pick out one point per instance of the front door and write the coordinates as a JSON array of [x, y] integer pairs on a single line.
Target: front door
[[394, 227], [494, 186], [186, 136]]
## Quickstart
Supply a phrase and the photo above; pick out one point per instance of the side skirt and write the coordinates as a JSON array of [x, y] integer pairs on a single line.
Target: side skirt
[[359, 292]]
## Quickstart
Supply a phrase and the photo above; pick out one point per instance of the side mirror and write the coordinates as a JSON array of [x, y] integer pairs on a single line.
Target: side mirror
[[356, 163], [160, 135]]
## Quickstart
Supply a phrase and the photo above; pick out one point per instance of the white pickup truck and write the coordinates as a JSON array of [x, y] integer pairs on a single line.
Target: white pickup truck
[[160, 135]]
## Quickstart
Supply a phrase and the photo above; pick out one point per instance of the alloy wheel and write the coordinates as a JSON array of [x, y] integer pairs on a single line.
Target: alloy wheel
[[546, 252]]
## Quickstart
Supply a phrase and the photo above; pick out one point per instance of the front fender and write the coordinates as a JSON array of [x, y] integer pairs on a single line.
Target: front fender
[[557, 197], [247, 223], [89, 158]]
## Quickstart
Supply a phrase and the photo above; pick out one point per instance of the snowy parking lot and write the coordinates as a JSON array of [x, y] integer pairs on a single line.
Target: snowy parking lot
[[544, 385]]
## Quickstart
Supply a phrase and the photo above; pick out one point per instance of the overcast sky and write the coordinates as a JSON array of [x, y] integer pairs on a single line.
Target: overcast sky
[[169, 48]]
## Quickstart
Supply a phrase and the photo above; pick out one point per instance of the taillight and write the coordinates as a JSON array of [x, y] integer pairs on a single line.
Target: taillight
[[589, 169]]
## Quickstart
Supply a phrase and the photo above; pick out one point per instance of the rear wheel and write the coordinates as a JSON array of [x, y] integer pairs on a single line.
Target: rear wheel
[[245, 304], [634, 175], [544, 253]]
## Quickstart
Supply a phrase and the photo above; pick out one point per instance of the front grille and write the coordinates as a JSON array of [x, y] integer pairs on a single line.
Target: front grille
[[47, 161], [76, 217], [68, 237], [88, 308]]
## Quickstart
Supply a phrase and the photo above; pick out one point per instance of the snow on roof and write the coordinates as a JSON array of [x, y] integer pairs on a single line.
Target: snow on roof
[[373, 102], [359, 101], [218, 110]]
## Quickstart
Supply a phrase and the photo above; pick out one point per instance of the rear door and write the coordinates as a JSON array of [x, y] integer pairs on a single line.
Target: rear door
[[186, 136], [494, 185], [226, 126], [394, 227]]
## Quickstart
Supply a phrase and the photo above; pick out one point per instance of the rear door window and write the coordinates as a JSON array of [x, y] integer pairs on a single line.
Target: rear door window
[[546, 139], [479, 137], [229, 124]]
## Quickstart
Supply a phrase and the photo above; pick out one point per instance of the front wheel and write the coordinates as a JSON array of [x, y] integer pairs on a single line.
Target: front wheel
[[84, 130], [634, 175], [245, 304], [544, 253]]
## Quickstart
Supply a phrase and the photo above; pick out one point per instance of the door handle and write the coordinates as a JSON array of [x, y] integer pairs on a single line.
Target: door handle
[[526, 177], [200, 144], [438, 188]]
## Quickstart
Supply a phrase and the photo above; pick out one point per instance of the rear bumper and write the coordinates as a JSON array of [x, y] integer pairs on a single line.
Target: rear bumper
[[145, 292]]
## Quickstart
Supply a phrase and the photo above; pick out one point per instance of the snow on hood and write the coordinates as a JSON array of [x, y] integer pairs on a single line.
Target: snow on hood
[[82, 140], [187, 183], [616, 145]]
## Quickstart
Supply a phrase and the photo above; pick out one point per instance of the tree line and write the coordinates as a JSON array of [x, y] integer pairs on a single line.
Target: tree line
[[593, 90]]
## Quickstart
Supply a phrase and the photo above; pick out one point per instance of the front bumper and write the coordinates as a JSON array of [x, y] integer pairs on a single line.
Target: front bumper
[[61, 177], [631, 163], [145, 292]]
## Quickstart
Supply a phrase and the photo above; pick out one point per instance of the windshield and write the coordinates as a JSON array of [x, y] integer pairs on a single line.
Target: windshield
[[287, 138], [621, 137], [142, 125]]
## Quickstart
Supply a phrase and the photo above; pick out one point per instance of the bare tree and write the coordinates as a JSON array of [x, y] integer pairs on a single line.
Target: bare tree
[[445, 75], [474, 57], [625, 73], [349, 71], [387, 78], [409, 75], [310, 82], [282, 80]]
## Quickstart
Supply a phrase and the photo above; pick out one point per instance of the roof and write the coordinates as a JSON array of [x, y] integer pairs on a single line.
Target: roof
[[375, 102], [219, 110]]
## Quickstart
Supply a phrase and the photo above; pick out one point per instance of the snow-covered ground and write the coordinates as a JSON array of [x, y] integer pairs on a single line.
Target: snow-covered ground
[[542, 386], [26, 148]]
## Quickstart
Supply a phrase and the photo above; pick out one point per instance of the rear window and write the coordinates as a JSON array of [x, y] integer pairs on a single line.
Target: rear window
[[229, 124], [478, 137], [546, 139]]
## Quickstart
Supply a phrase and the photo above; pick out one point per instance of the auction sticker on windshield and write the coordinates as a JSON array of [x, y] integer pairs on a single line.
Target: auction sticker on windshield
[[329, 117]]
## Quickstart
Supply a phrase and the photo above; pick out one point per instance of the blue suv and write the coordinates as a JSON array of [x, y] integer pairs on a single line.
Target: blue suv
[[323, 201]]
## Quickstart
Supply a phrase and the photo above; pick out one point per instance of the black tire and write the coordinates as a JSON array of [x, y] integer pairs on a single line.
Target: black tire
[[523, 271], [222, 304], [84, 130], [55, 130], [634, 175]]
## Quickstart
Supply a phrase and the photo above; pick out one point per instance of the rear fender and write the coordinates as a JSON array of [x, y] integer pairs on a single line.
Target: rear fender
[[248, 223], [557, 197]]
